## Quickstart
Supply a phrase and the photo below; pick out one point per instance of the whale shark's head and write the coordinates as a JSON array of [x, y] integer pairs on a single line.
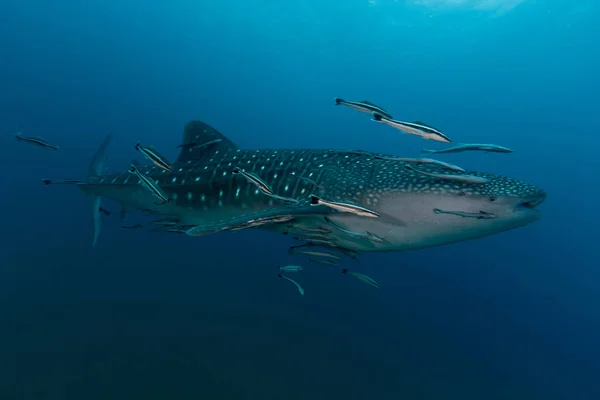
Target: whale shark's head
[[420, 210]]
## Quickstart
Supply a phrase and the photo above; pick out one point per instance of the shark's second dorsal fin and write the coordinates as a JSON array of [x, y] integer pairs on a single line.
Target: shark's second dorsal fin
[[201, 139]]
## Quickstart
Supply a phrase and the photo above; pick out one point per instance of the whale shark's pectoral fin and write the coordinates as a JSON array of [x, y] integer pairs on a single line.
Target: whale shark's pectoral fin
[[262, 219]]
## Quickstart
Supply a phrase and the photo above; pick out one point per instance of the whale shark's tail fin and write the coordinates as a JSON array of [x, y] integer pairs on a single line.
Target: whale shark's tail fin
[[96, 169]]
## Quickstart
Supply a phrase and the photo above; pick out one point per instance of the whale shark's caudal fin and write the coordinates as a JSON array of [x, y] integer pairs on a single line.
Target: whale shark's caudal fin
[[96, 169]]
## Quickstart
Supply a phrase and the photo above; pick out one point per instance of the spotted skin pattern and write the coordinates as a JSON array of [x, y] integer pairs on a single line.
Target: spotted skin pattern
[[203, 188]]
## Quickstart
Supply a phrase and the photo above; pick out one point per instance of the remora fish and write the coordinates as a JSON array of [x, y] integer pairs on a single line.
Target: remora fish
[[364, 278], [261, 185], [470, 147], [36, 141], [459, 178], [60, 181], [149, 184], [344, 207], [423, 161], [326, 262], [151, 154], [300, 289], [290, 268], [199, 145], [205, 192], [363, 106], [413, 128], [316, 254], [477, 215], [362, 235]]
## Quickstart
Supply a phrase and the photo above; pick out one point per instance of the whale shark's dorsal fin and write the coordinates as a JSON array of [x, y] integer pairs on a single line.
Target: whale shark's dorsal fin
[[200, 140]]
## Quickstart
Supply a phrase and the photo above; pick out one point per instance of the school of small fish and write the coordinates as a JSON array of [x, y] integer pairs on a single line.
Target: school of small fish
[[318, 246]]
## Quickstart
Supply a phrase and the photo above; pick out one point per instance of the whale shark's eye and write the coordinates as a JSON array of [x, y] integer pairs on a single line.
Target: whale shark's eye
[[492, 198], [462, 193]]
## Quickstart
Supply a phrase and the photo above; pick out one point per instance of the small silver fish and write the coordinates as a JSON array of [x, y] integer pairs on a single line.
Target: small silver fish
[[154, 156], [363, 106], [423, 161], [149, 184], [36, 141], [460, 178], [364, 278], [300, 289], [290, 268], [364, 235], [470, 147], [412, 128], [479, 215], [344, 207]]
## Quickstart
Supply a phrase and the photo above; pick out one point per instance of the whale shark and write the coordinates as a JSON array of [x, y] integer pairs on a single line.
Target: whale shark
[[411, 208]]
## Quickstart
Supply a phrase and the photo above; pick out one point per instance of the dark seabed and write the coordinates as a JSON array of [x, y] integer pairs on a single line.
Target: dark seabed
[[158, 316]]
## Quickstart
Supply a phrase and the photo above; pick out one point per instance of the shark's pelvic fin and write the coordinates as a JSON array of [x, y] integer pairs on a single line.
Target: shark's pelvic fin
[[195, 135], [96, 169]]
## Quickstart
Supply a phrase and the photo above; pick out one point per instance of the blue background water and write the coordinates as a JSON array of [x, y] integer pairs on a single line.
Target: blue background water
[[513, 316]]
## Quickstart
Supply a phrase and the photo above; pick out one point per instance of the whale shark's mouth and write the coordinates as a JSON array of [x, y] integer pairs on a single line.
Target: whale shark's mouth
[[533, 201]]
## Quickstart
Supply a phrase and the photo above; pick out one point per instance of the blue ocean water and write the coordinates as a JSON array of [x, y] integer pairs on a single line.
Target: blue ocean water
[[143, 315]]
